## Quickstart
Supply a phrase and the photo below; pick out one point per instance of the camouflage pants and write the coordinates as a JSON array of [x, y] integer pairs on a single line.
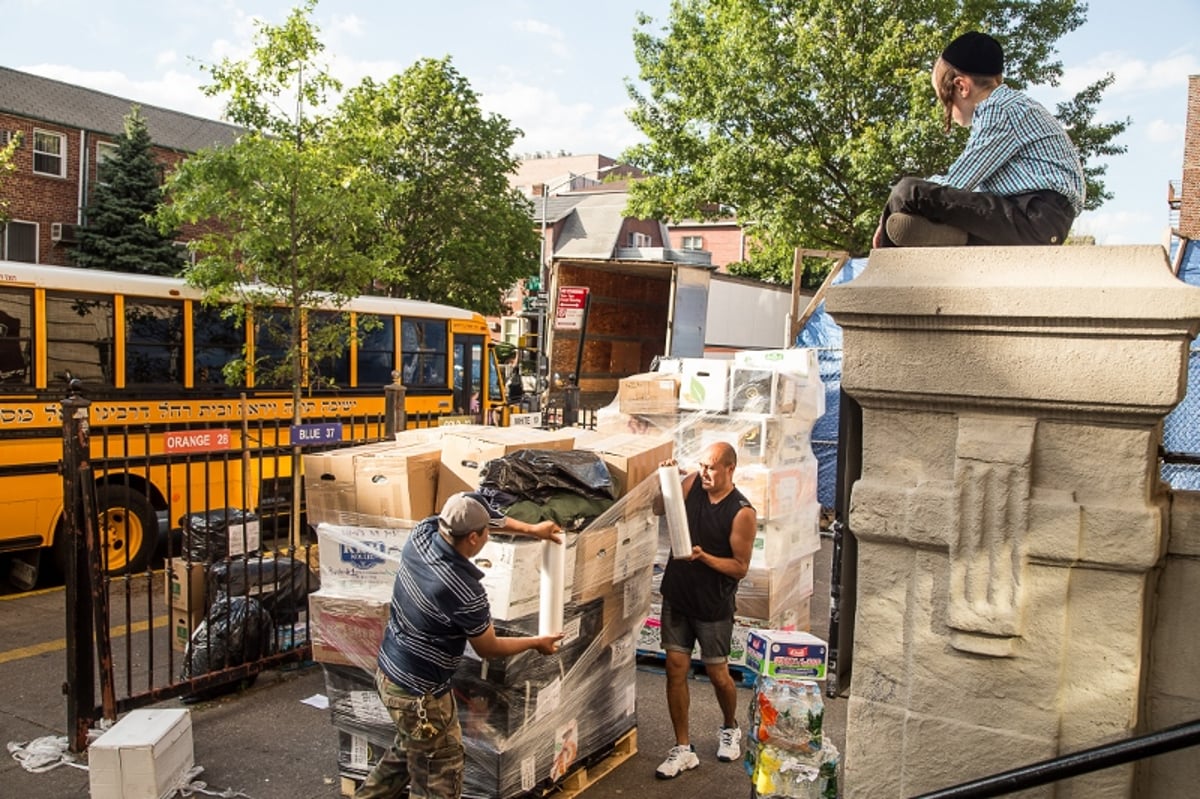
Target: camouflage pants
[[426, 759]]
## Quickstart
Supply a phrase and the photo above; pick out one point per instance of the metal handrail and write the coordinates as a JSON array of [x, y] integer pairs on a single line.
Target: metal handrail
[[1085, 762]]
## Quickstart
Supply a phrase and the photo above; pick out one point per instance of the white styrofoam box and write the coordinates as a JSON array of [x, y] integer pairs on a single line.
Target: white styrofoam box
[[800, 362], [762, 391], [359, 560], [512, 568], [145, 755], [704, 385], [669, 366]]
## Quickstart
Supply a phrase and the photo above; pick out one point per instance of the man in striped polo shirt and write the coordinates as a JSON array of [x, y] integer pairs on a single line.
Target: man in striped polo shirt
[[1019, 179], [438, 604]]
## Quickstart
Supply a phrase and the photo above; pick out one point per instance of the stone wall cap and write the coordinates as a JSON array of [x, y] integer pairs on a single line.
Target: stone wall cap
[[1081, 282]]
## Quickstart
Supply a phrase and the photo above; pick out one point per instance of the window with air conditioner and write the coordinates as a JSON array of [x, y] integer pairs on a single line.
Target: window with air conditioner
[[49, 153]]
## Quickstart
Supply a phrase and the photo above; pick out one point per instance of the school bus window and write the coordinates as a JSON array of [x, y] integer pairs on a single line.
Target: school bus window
[[272, 337], [16, 325], [376, 352], [324, 327], [494, 381], [79, 336], [153, 342], [424, 347], [216, 341]]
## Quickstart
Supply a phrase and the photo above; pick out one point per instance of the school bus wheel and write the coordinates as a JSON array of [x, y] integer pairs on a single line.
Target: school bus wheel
[[128, 530]]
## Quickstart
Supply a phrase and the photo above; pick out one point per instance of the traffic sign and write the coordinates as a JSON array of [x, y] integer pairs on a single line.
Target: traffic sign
[[572, 301]]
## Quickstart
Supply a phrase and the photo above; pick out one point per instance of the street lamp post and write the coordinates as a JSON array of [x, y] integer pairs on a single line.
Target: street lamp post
[[543, 357]]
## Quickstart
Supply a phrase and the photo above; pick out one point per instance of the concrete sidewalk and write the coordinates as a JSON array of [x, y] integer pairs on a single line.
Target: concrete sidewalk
[[266, 743]]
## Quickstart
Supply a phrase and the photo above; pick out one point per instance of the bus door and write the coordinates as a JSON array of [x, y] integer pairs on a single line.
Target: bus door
[[468, 376]]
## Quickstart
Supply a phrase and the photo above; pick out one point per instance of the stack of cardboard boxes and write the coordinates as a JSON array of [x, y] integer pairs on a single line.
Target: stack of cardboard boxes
[[528, 719], [763, 403]]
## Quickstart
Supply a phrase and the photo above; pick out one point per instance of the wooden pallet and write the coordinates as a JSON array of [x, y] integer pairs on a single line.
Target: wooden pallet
[[584, 777], [575, 782]]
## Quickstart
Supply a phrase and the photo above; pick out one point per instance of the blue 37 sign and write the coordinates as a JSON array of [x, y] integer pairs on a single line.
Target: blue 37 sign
[[307, 435]]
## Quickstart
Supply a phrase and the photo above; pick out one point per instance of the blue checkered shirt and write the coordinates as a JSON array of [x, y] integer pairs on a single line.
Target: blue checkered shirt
[[1017, 146]]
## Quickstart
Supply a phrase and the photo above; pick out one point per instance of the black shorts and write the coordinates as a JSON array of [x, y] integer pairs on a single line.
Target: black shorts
[[681, 633]]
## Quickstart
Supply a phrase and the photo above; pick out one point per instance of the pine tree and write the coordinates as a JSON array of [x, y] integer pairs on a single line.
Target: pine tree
[[116, 234]]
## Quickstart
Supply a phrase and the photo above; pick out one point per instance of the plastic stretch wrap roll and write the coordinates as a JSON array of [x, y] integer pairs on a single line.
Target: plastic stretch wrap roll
[[550, 607], [672, 492]]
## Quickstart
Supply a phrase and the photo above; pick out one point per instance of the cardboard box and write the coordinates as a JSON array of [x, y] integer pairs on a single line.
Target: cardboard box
[[595, 556], [512, 568], [637, 545], [648, 393], [798, 363], [704, 385], [767, 591], [347, 630], [359, 560], [780, 493], [780, 541], [143, 756], [398, 483], [763, 391], [464, 455], [630, 458], [787, 654], [182, 625], [185, 583]]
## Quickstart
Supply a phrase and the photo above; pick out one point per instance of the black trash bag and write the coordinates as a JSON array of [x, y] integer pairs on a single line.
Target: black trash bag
[[206, 535], [233, 632], [537, 474], [281, 585]]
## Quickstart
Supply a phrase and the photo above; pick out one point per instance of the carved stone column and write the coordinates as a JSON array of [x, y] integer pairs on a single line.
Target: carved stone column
[[1009, 513]]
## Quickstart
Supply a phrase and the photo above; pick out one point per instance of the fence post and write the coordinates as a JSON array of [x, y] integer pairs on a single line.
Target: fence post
[[571, 404], [80, 686], [396, 417]]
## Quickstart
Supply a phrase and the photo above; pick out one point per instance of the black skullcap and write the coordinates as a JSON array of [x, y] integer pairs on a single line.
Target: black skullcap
[[976, 54]]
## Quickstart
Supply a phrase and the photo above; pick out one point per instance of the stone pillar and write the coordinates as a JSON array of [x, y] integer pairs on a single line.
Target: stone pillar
[[1009, 515]]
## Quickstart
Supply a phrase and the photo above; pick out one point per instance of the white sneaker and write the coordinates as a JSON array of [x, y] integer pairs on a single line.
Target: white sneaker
[[728, 747], [680, 758]]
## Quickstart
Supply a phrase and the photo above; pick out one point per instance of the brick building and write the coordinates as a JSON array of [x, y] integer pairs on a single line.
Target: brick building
[[66, 131]]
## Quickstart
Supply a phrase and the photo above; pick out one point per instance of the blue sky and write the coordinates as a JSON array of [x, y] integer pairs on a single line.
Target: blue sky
[[557, 70]]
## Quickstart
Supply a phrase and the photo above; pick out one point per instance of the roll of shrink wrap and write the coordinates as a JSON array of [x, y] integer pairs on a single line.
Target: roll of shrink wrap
[[677, 524]]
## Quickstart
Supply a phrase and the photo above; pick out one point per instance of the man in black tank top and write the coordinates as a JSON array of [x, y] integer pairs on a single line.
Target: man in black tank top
[[698, 591]]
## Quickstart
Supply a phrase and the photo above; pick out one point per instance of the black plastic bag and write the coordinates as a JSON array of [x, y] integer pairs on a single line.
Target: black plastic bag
[[537, 474], [281, 585], [206, 535], [235, 631]]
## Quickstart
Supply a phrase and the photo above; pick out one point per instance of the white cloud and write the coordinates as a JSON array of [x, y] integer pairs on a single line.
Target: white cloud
[[550, 123], [558, 42], [350, 24], [1132, 75], [1111, 227], [166, 57], [1160, 131]]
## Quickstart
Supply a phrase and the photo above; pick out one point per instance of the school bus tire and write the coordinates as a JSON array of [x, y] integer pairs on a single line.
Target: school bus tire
[[128, 529]]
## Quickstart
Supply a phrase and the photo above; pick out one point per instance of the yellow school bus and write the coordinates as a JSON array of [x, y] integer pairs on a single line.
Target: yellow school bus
[[148, 356]]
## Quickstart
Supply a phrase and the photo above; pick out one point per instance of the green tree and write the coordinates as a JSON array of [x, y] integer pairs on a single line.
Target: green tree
[[801, 114], [7, 166], [118, 233], [282, 207], [450, 226]]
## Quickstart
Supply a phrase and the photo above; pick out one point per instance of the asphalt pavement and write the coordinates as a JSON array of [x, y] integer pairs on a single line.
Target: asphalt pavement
[[266, 742]]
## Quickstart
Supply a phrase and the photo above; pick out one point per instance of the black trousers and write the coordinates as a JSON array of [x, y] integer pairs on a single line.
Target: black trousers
[[1036, 218]]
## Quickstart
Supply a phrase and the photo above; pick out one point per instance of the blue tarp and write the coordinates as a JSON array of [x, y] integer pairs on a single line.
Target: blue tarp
[[1181, 429], [824, 335]]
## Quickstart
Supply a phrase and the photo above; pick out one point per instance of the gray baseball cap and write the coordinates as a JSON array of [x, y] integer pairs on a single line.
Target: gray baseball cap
[[467, 512]]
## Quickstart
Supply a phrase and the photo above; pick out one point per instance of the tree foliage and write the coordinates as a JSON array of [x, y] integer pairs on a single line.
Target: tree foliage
[[450, 226], [394, 187], [118, 233], [281, 207], [7, 166], [801, 114]]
